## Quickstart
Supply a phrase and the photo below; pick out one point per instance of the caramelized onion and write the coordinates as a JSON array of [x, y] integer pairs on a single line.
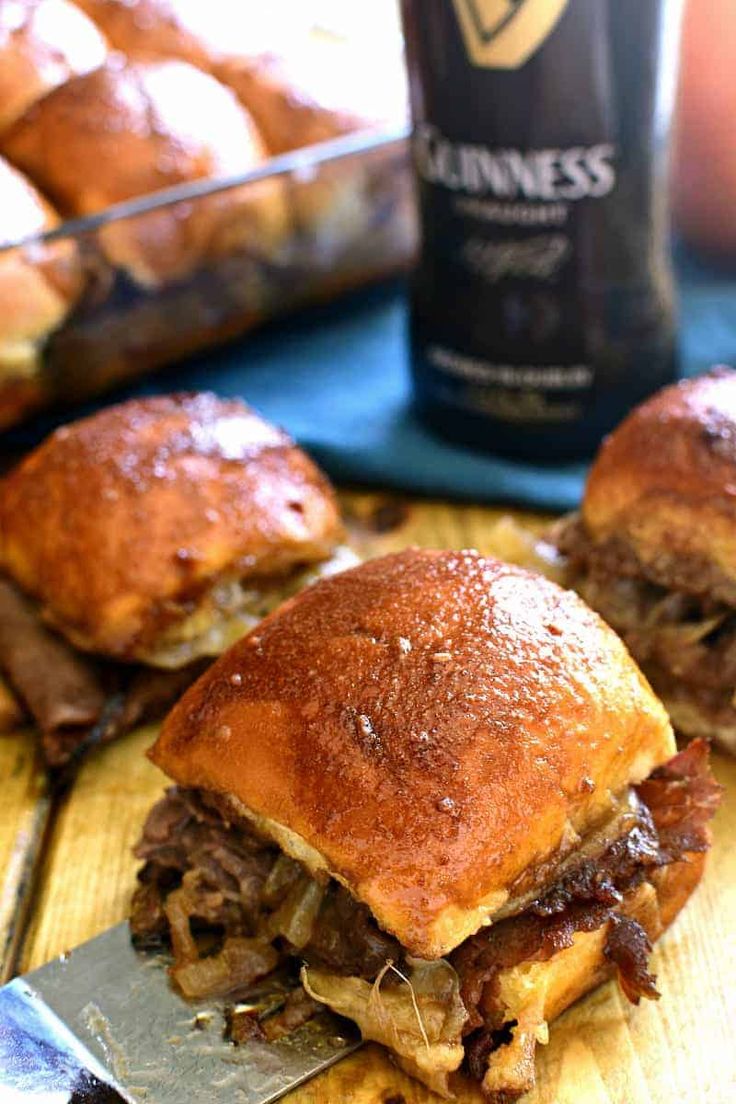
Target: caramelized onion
[[237, 965], [295, 918]]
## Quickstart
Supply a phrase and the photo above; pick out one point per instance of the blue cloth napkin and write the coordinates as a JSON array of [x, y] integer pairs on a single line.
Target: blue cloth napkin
[[336, 378]]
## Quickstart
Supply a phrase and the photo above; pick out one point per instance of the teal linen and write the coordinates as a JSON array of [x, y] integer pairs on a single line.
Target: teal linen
[[336, 378]]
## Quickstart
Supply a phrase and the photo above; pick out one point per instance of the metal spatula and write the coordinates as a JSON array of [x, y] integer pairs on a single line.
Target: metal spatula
[[102, 1025]]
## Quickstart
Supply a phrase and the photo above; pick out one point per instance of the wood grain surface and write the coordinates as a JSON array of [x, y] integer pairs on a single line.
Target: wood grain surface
[[25, 809], [602, 1051]]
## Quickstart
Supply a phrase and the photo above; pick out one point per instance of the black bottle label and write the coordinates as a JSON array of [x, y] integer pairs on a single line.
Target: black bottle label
[[543, 296]]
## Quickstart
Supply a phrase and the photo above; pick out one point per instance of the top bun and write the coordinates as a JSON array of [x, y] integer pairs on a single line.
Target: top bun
[[303, 84], [316, 89], [120, 522], [201, 33], [661, 494], [128, 130], [434, 729], [42, 44]]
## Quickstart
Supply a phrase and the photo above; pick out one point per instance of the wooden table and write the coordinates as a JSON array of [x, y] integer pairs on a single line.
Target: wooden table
[[66, 873]]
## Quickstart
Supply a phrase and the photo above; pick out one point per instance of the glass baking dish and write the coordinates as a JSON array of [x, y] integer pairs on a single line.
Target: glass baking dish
[[157, 278]]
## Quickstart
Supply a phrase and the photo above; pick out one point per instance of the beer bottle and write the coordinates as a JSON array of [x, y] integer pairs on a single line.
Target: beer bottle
[[542, 304]]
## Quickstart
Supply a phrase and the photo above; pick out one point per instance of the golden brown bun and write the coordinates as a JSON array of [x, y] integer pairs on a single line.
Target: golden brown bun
[[42, 44], [149, 29], [38, 284], [201, 33], [356, 213], [127, 130], [118, 522], [430, 727], [316, 90], [663, 487], [302, 83]]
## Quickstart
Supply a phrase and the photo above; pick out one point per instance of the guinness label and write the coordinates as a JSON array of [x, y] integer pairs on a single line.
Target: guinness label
[[541, 308], [503, 34]]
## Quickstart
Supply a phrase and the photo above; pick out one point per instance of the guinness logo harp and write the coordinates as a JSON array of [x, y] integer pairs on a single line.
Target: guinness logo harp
[[503, 34]]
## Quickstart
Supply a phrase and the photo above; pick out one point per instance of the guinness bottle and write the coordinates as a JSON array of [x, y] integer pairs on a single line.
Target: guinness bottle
[[542, 306]]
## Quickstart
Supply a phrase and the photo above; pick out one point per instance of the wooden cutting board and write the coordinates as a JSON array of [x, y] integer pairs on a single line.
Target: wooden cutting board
[[680, 1050]]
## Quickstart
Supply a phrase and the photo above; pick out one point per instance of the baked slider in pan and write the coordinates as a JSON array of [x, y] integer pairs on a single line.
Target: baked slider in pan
[[128, 130], [653, 548], [153, 533], [201, 34], [39, 284], [318, 87], [440, 784], [304, 80], [302, 84], [42, 44]]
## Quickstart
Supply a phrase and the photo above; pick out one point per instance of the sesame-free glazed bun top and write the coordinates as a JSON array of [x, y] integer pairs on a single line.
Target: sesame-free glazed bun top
[[119, 522], [128, 130], [662, 489], [430, 727], [42, 44]]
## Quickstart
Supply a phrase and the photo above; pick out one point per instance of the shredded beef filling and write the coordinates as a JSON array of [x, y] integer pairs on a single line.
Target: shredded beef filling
[[246, 1022], [615, 556], [682, 639], [75, 699], [233, 906], [59, 688], [202, 873]]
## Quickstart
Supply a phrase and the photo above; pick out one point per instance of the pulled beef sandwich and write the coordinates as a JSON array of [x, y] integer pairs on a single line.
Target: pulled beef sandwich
[[440, 787], [653, 548], [139, 543]]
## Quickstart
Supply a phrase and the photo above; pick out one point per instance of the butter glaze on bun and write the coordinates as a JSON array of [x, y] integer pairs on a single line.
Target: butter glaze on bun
[[317, 89], [431, 728], [190, 30]]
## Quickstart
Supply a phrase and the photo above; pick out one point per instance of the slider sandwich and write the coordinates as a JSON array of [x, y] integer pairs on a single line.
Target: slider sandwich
[[653, 548], [439, 787], [139, 543]]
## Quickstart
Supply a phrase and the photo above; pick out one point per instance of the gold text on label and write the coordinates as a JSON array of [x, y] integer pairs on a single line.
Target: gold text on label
[[503, 34]]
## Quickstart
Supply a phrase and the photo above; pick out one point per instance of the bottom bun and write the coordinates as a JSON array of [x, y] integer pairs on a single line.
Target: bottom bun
[[535, 993], [423, 1030]]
